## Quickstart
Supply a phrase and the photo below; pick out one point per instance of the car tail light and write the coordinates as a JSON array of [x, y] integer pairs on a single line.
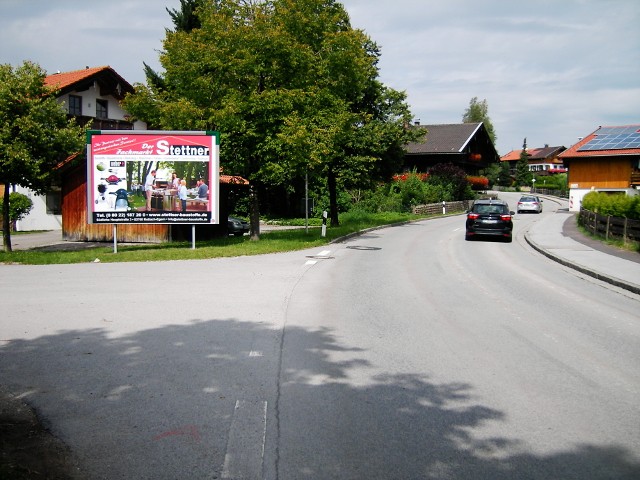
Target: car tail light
[[472, 216], [506, 218]]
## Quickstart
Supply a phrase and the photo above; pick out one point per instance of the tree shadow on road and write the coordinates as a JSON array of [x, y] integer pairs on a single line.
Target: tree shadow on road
[[159, 403]]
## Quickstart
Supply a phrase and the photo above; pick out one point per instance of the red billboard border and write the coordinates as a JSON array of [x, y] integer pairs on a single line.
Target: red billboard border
[[108, 152]]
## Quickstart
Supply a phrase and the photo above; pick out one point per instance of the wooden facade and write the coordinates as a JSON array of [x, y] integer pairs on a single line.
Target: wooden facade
[[601, 168], [609, 167], [75, 211], [466, 145], [74, 215], [601, 172]]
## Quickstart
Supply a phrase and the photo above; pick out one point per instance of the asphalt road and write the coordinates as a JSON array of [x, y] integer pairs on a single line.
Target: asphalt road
[[403, 353]]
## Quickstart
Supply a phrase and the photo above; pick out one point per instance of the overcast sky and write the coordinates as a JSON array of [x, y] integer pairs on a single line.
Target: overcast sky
[[550, 70]]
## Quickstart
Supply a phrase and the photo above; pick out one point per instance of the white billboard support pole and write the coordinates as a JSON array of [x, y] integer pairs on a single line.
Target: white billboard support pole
[[193, 236], [115, 238]]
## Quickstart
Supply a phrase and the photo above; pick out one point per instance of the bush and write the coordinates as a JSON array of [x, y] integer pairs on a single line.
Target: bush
[[552, 182], [453, 180], [617, 205], [19, 207]]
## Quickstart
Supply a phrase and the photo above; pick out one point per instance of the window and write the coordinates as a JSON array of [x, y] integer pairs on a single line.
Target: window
[[101, 109], [75, 105], [54, 201]]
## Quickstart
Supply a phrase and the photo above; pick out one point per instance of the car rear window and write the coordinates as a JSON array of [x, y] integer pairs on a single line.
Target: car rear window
[[487, 208]]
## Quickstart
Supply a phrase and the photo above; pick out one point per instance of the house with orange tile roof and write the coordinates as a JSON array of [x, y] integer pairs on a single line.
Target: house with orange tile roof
[[606, 160], [92, 96], [542, 161]]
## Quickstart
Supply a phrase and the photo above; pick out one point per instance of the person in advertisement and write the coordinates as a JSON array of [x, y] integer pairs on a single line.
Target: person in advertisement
[[148, 187], [182, 194], [175, 181], [203, 190]]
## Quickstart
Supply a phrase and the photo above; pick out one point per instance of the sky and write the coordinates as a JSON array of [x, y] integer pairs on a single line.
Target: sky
[[550, 71]]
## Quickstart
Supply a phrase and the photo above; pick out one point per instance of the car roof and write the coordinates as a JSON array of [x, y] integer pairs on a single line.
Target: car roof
[[490, 202]]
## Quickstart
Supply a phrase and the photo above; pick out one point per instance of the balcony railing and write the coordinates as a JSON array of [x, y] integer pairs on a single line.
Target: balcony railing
[[103, 123]]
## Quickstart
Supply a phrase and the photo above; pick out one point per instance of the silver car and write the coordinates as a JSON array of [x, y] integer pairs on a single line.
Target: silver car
[[529, 203]]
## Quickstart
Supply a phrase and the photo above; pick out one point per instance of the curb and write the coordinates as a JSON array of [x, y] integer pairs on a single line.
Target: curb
[[599, 276]]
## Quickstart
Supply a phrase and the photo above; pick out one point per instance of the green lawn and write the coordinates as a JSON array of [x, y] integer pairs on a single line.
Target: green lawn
[[270, 242]]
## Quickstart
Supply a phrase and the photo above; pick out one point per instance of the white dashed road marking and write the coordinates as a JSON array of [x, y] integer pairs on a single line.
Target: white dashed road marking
[[245, 446]]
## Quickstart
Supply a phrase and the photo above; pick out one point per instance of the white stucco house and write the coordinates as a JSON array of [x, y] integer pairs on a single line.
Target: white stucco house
[[92, 96]]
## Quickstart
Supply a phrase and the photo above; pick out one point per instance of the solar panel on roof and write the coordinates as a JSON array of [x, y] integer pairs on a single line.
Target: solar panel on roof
[[613, 138]]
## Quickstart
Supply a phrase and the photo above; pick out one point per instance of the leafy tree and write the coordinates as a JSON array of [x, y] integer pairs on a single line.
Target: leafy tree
[[505, 175], [523, 174], [498, 173], [291, 87], [479, 112], [35, 133]]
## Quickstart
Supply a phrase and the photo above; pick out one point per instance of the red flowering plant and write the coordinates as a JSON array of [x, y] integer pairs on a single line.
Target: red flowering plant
[[403, 177], [478, 183]]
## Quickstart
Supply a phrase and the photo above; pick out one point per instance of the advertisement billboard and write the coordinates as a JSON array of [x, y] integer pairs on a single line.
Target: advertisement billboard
[[152, 177]]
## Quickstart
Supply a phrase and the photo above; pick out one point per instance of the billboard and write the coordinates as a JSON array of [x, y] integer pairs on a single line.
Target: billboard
[[152, 177]]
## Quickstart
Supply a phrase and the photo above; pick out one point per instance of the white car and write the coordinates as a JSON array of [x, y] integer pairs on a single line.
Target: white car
[[529, 203]]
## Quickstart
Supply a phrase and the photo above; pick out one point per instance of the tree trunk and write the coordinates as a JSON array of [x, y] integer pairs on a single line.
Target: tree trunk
[[254, 212], [333, 199], [6, 224]]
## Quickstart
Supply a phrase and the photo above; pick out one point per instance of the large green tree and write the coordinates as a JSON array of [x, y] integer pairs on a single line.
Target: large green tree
[[35, 133], [290, 86], [478, 111]]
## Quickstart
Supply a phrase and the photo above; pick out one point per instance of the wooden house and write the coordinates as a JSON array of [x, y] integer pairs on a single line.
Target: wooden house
[[466, 145], [607, 160]]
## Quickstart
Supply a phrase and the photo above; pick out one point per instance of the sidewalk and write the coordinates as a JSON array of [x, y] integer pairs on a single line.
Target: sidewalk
[[52, 239], [557, 237]]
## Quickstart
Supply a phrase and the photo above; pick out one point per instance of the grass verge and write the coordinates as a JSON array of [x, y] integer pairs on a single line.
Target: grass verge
[[629, 245], [270, 242]]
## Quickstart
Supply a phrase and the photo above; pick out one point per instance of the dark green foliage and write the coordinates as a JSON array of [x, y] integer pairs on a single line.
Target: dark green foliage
[[185, 19], [410, 190], [523, 174], [452, 180]]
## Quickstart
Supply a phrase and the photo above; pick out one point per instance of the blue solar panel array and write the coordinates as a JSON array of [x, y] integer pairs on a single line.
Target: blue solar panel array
[[613, 138]]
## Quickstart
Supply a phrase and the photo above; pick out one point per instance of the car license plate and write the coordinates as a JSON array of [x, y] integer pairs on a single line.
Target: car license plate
[[489, 221]]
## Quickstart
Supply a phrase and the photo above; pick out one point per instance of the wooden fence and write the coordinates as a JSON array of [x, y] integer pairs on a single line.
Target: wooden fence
[[443, 207], [609, 227]]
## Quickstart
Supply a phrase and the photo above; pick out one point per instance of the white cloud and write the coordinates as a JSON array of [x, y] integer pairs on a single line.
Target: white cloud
[[550, 71]]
